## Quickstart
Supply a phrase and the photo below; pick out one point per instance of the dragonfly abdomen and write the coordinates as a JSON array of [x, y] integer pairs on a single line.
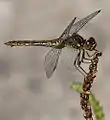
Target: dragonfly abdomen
[[46, 43]]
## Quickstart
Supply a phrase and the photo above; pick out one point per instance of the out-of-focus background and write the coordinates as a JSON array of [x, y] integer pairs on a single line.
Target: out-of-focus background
[[25, 92]]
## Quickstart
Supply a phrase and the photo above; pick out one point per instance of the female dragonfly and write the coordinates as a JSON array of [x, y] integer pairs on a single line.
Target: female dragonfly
[[70, 38]]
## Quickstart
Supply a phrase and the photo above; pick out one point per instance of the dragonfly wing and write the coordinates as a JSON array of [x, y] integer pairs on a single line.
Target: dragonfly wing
[[81, 23], [65, 34], [51, 60]]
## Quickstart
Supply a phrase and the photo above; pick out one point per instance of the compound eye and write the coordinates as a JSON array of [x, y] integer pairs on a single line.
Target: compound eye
[[92, 40]]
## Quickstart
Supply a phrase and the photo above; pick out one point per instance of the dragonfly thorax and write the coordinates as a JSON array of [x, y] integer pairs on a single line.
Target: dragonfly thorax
[[75, 41]]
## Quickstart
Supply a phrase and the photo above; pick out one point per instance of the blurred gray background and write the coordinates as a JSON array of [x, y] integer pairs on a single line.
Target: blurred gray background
[[25, 92]]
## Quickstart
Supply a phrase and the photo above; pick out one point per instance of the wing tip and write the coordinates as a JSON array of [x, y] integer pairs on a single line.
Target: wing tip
[[99, 11], [48, 76]]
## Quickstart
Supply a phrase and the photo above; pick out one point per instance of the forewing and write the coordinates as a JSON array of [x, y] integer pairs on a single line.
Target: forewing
[[65, 34], [78, 25], [51, 60]]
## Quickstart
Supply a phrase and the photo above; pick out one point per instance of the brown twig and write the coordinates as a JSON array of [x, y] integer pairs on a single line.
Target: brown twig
[[87, 84]]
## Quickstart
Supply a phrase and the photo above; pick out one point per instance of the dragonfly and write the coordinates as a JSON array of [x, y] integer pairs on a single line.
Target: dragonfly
[[69, 38]]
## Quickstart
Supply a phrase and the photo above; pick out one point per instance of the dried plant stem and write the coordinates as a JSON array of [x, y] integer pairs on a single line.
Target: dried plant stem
[[87, 84]]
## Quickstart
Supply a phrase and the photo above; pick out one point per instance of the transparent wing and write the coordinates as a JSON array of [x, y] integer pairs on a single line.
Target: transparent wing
[[51, 60], [78, 25], [65, 34]]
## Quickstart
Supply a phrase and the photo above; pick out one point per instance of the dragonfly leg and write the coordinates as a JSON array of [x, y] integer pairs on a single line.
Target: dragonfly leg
[[77, 64], [92, 54], [80, 59], [88, 60]]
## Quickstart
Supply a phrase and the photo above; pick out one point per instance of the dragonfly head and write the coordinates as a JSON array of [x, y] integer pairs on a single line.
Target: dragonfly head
[[90, 44]]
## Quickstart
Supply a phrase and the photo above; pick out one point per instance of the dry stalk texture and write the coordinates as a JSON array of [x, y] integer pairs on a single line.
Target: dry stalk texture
[[87, 84]]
